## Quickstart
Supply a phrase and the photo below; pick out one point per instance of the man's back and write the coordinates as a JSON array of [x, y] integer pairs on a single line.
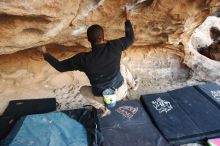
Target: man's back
[[103, 62]]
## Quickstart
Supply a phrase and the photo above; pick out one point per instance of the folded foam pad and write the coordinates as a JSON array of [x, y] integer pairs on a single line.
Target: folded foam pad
[[89, 119], [19, 108], [129, 125], [211, 90], [183, 115]]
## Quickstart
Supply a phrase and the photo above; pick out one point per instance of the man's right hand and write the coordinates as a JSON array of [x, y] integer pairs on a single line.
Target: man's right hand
[[42, 49]]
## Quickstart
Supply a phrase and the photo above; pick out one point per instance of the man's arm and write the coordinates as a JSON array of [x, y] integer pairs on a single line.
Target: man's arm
[[61, 66], [129, 33]]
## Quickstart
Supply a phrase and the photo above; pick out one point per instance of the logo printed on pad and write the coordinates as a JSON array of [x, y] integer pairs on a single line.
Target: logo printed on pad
[[216, 95], [162, 105], [127, 111]]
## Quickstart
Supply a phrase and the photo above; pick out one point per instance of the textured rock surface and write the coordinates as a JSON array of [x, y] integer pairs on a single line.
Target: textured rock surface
[[29, 23]]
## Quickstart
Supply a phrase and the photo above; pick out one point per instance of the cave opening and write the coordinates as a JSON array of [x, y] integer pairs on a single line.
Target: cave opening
[[206, 38]]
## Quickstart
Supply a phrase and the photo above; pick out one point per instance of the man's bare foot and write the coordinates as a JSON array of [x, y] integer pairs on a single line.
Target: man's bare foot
[[104, 112]]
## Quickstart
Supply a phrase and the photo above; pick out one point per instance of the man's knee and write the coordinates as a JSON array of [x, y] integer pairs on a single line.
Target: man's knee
[[86, 91], [123, 70], [122, 92]]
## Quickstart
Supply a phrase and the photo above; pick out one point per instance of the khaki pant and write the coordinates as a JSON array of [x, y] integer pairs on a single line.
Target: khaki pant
[[121, 92]]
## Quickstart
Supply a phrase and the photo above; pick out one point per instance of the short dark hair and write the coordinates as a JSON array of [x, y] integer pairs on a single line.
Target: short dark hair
[[95, 33], [214, 33]]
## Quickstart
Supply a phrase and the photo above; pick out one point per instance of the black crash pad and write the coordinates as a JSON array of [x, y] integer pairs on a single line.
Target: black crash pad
[[183, 115], [211, 91], [129, 125]]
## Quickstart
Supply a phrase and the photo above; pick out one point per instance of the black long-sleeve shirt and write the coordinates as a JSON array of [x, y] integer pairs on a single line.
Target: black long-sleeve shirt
[[101, 65]]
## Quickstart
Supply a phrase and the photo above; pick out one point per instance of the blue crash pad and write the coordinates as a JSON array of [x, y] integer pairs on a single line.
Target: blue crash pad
[[52, 129]]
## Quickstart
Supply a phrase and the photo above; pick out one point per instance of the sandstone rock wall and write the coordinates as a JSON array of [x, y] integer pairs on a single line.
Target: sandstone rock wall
[[30, 23]]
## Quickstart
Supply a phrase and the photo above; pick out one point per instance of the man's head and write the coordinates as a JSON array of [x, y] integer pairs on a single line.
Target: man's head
[[95, 34], [214, 33]]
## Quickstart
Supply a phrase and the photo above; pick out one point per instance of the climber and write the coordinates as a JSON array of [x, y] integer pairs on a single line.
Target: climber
[[109, 80], [213, 50]]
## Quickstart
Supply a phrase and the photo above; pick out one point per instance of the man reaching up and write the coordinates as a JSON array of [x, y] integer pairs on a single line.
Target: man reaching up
[[102, 67]]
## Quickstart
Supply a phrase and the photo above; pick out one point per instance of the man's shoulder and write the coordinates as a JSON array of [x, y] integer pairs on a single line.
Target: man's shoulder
[[80, 55], [115, 42]]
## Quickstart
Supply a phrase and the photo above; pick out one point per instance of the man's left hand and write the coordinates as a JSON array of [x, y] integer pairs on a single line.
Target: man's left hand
[[42, 49]]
